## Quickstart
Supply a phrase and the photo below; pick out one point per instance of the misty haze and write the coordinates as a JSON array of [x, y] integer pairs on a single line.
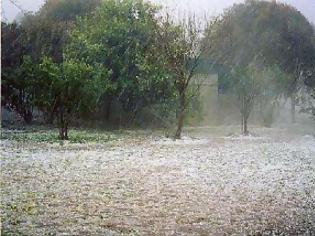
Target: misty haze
[[161, 117]]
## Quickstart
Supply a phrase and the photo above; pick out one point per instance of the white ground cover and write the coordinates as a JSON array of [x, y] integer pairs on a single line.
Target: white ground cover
[[150, 185]]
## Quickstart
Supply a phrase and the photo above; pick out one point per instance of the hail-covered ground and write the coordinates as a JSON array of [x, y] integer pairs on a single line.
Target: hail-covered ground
[[151, 185]]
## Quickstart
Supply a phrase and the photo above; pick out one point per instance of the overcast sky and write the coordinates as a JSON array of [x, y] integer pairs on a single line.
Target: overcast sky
[[210, 7]]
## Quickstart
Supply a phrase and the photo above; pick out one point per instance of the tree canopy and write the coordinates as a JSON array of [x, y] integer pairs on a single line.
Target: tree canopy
[[273, 34], [125, 42]]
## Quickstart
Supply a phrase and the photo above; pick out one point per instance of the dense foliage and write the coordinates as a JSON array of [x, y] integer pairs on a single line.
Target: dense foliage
[[76, 60], [125, 43]]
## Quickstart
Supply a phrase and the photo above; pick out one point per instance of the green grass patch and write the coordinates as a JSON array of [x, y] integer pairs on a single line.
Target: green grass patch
[[51, 135]]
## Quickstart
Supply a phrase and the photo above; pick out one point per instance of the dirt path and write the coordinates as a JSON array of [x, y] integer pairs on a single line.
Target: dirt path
[[156, 186]]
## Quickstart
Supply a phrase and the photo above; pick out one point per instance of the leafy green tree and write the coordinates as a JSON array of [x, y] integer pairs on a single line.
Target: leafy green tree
[[23, 45], [120, 37], [20, 87], [12, 52], [36, 35], [17, 72], [73, 87]]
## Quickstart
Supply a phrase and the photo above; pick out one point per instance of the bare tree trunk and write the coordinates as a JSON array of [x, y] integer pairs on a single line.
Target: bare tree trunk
[[242, 116], [180, 125], [134, 114], [66, 131], [242, 123], [245, 130], [245, 110], [63, 125], [61, 132], [181, 117], [293, 104]]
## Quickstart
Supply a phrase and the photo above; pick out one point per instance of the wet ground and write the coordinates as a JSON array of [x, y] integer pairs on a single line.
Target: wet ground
[[151, 185]]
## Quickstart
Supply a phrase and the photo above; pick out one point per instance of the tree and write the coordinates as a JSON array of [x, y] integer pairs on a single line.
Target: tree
[[46, 31], [17, 73], [67, 10], [73, 87], [123, 42], [182, 48], [35, 35], [247, 86], [247, 32], [43, 37], [24, 44], [20, 86], [11, 56]]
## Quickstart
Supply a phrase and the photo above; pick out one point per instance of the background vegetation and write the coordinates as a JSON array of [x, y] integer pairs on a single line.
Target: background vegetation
[[109, 61]]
